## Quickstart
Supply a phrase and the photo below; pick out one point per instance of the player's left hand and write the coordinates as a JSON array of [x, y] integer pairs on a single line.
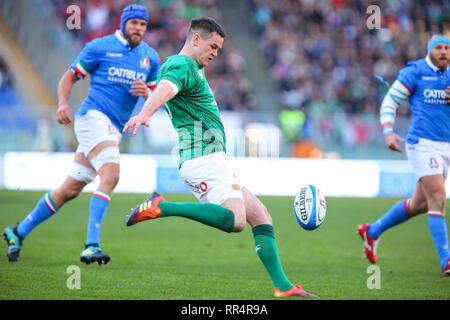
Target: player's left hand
[[139, 88], [392, 140], [135, 122], [63, 114], [447, 94]]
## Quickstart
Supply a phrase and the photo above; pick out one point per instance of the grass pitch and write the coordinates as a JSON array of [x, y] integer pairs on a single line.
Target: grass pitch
[[175, 258]]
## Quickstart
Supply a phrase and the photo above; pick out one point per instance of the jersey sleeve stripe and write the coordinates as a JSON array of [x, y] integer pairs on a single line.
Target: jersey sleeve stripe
[[410, 92], [173, 85], [151, 84], [392, 100], [388, 107], [402, 93], [78, 72], [81, 69]]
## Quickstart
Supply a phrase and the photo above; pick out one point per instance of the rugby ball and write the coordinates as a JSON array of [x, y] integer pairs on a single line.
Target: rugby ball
[[310, 207]]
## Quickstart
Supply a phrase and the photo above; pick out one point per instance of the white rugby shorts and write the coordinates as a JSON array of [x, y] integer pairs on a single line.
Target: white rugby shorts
[[429, 157], [92, 128], [211, 178]]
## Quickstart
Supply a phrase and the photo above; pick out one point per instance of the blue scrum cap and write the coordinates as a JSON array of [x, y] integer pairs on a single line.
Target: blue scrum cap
[[132, 11], [435, 41]]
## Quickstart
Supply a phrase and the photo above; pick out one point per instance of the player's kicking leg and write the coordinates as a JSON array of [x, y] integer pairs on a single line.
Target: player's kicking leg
[[207, 213], [230, 216], [224, 206]]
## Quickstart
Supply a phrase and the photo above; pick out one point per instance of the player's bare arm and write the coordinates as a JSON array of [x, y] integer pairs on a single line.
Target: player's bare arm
[[162, 93], [63, 113]]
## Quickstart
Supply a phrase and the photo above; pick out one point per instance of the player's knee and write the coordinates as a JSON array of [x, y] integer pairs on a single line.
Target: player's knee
[[108, 155], [239, 226], [261, 215], [69, 192], [82, 173], [72, 194], [417, 208], [239, 219]]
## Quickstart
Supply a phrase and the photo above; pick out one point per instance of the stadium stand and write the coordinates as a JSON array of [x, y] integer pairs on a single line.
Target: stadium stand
[[323, 55], [319, 56], [169, 21], [15, 123]]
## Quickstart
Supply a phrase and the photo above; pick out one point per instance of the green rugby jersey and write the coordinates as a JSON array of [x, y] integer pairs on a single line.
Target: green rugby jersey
[[193, 111]]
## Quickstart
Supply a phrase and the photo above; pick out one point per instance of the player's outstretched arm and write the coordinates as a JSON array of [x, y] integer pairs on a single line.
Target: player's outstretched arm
[[162, 93], [63, 113]]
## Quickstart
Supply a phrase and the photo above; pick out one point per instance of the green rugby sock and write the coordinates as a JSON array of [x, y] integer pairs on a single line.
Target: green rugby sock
[[207, 213], [266, 248]]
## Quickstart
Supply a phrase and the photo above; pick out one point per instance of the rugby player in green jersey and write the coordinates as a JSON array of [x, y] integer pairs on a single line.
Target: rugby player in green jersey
[[224, 204]]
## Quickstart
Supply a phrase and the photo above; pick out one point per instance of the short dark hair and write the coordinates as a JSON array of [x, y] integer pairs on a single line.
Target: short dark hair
[[205, 26]]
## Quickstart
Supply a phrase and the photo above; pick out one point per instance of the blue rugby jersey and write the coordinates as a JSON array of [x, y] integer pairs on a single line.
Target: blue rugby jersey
[[113, 66], [430, 111]]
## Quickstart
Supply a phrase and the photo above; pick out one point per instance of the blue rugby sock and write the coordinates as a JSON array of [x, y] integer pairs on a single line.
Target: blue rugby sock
[[396, 215], [438, 230], [97, 210], [44, 209]]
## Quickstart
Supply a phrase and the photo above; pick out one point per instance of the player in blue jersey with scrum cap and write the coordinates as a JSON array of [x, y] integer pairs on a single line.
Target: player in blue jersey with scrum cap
[[122, 69], [425, 83]]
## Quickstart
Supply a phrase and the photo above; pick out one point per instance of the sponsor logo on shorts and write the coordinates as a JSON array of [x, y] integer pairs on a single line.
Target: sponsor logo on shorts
[[433, 163], [111, 129], [191, 186], [203, 186]]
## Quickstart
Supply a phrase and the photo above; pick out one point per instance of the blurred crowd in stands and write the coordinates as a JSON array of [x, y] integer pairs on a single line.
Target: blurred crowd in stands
[[320, 53], [7, 93], [323, 55], [168, 24], [11, 105]]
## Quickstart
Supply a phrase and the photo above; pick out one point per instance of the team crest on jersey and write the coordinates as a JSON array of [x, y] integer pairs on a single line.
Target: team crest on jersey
[[433, 163], [200, 73], [145, 62]]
